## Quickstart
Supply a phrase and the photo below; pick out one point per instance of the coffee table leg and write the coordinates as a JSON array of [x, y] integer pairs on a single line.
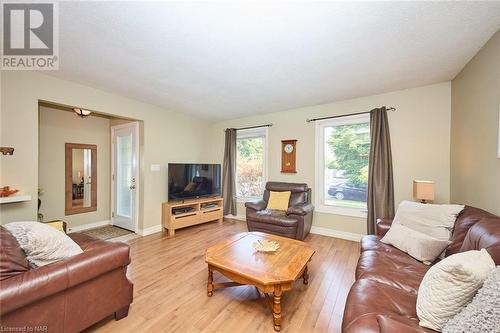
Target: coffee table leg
[[277, 308], [210, 283], [305, 276]]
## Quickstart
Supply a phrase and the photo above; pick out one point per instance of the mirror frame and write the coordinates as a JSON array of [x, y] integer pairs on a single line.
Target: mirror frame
[[69, 209]]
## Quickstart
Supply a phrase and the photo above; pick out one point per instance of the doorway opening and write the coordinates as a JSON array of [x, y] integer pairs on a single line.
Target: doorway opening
[[101, 185]]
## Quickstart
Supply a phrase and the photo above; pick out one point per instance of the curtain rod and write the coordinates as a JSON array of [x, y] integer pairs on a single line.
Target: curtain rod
[[250, 127], [345, 115]]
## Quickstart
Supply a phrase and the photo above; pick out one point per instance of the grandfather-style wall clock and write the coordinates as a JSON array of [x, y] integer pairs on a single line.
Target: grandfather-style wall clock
[[288, 156]]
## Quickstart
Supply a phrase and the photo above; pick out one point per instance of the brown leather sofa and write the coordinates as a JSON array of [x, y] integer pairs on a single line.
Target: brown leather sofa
[[66, 296], [383, 298], [293, 223]]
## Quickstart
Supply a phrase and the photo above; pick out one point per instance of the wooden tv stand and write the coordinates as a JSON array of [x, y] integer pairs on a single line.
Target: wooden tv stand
[[171, 221]]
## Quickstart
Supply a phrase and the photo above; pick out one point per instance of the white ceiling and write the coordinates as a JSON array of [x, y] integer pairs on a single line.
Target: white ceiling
[[227, 60]]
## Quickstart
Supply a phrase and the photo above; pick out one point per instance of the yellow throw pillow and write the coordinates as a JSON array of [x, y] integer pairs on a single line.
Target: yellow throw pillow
[[279, 200]]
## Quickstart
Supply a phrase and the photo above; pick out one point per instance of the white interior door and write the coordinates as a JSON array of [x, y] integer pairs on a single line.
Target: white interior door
[[124, 177]]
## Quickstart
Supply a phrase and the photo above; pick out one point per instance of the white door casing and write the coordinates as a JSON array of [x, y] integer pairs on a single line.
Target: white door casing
[[125, 175]]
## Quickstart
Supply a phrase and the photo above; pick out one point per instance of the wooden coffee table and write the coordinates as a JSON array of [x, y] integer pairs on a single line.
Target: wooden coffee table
[[273, 272]]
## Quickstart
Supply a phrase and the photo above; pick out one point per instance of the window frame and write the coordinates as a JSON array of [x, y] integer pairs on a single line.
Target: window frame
[[261, 132], [320, 126]]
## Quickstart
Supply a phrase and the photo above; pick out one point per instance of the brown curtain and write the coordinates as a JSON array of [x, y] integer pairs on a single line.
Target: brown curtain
[[229, 173], [380, 179]]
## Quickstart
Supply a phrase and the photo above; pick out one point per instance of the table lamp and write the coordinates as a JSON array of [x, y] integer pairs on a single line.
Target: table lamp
[[423, 190]]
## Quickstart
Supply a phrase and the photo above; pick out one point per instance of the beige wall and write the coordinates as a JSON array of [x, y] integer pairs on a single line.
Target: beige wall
[[475, 100], [57, 128], [164, 130], [420, 134], [420, 130]]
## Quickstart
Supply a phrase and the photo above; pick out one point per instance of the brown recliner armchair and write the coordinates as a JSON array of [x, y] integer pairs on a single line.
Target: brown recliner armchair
[[295, 222]]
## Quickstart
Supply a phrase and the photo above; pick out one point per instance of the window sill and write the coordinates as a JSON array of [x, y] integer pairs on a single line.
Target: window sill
[[341, 211], [245, 199]]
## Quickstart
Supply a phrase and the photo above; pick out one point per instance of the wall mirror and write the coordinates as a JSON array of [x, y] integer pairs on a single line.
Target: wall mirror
[[81, 178]]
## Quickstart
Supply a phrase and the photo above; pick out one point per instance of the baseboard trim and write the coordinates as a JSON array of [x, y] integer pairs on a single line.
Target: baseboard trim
[[87, 226], [315, 230], [336, 233], [151, 230], [236, 217], [142, 232]]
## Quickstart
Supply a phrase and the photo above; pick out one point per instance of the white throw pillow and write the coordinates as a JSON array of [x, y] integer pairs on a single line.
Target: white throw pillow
[[416, 244], [436, 221], [449, 285], [482, 315], [41, 243]]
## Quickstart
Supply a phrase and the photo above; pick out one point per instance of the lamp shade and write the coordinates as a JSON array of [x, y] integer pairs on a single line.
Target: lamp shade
[[423, 190]]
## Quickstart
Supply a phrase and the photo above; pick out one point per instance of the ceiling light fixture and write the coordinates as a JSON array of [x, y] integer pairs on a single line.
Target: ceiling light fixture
[[82, 113]]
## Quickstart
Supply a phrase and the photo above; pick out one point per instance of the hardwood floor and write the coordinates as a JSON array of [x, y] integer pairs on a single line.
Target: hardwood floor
[[170, 295]]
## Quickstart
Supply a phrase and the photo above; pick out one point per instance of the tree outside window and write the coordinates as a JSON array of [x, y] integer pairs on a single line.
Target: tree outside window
[[346, 157], [250, 180]]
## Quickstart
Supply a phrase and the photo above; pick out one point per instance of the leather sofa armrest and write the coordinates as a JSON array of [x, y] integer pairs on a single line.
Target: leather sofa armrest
[[93, 263], [38, 283], [256, 205], [383, 225], [389, 324], [302, 209]]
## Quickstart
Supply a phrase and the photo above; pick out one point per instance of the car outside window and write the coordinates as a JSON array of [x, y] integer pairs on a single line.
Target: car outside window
[[342, 149]]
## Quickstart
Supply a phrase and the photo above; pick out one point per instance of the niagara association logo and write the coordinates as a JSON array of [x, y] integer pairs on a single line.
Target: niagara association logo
[[30, 36]]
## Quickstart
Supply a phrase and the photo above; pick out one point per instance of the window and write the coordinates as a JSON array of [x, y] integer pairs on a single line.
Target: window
[[342, 153], [251, 168]]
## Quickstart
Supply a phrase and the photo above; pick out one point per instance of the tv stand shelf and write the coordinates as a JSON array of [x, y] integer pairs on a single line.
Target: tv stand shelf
[[198, 215]]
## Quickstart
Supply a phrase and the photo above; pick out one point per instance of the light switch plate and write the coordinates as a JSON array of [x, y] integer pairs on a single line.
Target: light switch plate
[[155, 167]]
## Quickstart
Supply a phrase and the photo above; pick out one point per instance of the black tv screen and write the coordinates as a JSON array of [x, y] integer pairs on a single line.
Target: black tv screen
[[187, 180]]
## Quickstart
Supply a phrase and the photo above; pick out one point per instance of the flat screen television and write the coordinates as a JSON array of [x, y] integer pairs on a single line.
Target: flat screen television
[[189, 180]]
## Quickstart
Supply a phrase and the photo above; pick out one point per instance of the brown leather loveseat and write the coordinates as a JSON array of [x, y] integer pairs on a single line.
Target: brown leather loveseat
[[294, 223], [65, 296], [384, 296]]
